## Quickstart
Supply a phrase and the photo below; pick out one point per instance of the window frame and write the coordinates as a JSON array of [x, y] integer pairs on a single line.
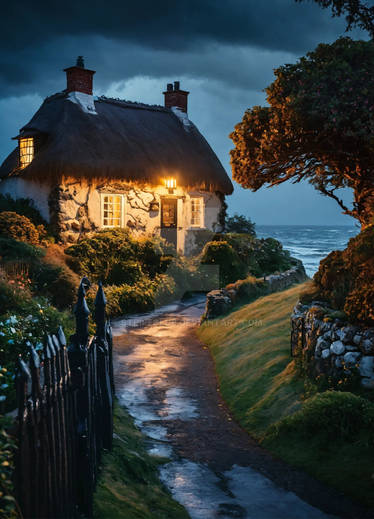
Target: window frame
[[122, 217], [29, 154], [200, 224]]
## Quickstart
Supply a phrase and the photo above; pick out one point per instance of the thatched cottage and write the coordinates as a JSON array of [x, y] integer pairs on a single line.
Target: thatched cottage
[[91, 162]]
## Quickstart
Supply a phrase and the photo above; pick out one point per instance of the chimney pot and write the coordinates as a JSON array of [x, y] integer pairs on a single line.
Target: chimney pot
[[175, 97], [80, 62]]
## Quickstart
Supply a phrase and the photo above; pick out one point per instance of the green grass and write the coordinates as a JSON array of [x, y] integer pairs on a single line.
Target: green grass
[[128, 486], [259, 382], [251, 350]]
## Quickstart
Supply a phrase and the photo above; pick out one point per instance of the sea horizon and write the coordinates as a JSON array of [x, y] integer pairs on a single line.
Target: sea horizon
[[310, 242]]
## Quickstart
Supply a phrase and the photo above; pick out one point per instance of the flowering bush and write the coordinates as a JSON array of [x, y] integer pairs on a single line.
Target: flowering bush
[[13, 225], [16, 332]]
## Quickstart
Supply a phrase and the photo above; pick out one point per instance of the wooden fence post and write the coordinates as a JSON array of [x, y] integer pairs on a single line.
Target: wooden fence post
[[23, 463], [78, 361], [104, 370], [65, 417]]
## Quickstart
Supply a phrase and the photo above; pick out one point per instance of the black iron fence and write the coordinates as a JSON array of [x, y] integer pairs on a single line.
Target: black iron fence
[[65, 417]]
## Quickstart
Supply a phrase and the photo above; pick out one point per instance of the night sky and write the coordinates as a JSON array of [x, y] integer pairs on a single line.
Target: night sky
[[223, 52]]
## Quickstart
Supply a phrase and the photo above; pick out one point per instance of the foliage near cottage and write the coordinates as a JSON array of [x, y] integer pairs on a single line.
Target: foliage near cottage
[[345, 279], [241, 255], [319, 127], [116, 257], [240, 224], [23, 207], [13, 225]]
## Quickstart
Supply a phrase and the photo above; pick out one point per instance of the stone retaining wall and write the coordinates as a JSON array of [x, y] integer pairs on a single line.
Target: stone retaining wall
[[330, 346], [219, 302]]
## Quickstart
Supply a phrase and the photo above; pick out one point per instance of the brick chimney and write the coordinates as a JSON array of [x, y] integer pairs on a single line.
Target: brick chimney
[[175, 97], [78, 78]]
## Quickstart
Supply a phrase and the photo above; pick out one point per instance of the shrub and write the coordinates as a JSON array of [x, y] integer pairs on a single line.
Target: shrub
[[12, 297], [261, 256], [30, 322], [117, 257], [12, 250], [126, 299], [330, 417], [13, 225], [57, 282], [309, 293], [248, 289], [345, 279], [333, 279], [39, 271], [22, 206], [222, 254], [240, 224], [166, 290], [200, 238], [272, 257], [7, 454]]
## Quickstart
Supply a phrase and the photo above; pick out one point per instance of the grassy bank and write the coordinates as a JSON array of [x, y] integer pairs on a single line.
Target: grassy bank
[[251, 350], [128, 485]]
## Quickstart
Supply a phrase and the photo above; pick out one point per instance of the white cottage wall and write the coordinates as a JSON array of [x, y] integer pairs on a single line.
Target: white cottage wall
[[17, 187], [80, 208]]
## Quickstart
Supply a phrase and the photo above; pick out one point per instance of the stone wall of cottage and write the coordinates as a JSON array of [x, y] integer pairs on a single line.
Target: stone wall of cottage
[[329, 346], [76, 209]]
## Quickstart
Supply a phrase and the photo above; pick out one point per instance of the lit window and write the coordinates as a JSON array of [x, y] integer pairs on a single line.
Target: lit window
[[26, 151], [112, 210], [197, 212]]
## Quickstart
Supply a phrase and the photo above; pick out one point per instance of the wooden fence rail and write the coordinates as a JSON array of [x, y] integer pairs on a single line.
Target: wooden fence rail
[[65, 417]]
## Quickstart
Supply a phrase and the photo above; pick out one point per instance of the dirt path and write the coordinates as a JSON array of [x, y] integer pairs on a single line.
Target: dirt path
[[165, 377]]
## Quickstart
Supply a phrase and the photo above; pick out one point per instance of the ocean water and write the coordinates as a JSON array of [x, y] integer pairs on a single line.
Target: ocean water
[[309, 243]]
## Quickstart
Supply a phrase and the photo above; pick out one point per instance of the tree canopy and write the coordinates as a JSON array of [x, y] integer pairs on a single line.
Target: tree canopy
[[319, 126], [240, 224], [357, 13]]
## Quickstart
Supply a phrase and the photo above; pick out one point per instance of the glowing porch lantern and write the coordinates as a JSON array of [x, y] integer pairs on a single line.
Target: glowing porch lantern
[[171, 184]]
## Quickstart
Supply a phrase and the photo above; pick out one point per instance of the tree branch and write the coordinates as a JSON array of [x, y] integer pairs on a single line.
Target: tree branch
[[337, 199]]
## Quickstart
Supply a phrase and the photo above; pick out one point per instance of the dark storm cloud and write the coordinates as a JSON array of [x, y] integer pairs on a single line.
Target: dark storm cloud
[[223, 52], [271, 23], [38, 37]]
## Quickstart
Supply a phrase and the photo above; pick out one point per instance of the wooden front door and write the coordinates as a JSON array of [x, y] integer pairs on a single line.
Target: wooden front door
[[169, 220]]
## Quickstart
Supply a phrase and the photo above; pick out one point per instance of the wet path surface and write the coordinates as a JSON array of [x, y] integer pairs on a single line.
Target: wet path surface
[[165, 378]]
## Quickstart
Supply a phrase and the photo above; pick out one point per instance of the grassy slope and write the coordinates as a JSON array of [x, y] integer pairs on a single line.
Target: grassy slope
[[128, 485], [259, 383], [253, 360]]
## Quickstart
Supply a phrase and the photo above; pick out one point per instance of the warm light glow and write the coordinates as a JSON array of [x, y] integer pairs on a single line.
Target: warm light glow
[[112, 211], [197, 212], [170, 183], [26, 151]]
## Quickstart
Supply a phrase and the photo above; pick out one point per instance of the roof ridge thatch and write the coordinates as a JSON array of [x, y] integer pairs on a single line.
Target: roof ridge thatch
[[131, 104]]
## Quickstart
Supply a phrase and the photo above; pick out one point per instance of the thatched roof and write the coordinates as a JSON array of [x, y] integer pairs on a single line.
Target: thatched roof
[[124, 140]]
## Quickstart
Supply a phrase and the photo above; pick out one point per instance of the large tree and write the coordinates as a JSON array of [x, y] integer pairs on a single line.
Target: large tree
[[357, 13], [319, 127]]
